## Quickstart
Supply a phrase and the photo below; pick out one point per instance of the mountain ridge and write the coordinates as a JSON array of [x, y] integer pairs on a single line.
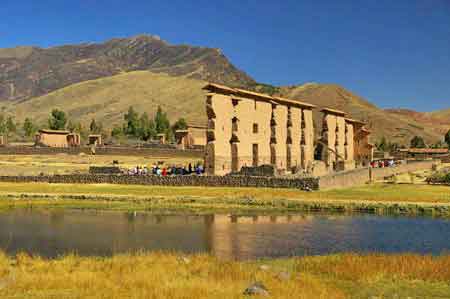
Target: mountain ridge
[[85, 79]]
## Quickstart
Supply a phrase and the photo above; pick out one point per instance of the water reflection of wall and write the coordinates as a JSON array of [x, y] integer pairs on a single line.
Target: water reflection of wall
[[245, 236]]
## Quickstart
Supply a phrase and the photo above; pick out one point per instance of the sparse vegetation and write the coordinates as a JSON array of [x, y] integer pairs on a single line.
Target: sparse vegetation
[[418, 142]]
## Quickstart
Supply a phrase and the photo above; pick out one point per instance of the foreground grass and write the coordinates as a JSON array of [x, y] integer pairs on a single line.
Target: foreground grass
[[159, 275], [378, 198]]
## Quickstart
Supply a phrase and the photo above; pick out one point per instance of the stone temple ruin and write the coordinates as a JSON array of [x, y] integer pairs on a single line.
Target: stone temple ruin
[[249, 129]]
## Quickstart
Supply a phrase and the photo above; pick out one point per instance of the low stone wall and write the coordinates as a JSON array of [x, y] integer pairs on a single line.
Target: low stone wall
[[104, 170], [116, 151], [207, 181], [362, 176], [381, 173], [345, 179]]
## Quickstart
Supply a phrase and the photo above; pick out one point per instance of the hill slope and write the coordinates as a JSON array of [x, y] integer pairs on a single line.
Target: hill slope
[[27, 72], [107, 99], [396, 127]]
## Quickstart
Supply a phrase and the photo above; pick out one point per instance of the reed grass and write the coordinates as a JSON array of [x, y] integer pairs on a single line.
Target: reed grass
[[168, 275]]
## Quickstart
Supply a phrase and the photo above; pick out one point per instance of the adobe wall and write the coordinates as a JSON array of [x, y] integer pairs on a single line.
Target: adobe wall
[[207, 181], [53, 140], [282, 130], [334, 135]]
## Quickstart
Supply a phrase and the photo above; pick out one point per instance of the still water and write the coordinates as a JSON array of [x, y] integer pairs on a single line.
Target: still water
[[52, 233]]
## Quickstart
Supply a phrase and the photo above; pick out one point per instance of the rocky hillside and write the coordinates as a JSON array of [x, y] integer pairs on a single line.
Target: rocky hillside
[[27, 72]]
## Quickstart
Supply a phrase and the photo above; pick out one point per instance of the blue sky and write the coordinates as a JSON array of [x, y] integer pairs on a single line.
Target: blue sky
[[394, 53]]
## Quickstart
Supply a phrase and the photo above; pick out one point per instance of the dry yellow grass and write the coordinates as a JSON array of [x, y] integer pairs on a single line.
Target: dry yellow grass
[[107, 99], [66, 164], [163, 275]]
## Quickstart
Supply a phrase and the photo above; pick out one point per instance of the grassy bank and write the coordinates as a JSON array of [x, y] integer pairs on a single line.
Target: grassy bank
[[378, 198], [158, 275]]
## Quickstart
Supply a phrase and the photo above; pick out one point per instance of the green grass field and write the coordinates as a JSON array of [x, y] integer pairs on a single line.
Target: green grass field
[[378, 198]]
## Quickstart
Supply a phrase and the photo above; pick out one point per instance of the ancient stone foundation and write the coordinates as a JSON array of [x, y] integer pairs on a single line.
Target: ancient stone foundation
[[207, 181]]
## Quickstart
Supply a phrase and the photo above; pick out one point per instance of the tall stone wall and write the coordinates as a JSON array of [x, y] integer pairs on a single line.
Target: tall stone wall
[[249, 129]]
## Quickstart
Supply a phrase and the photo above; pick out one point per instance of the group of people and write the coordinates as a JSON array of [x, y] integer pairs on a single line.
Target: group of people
[[166, 171], [382, 163]]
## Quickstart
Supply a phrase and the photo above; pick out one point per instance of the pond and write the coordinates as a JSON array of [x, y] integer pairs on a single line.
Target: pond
[[58, 232]]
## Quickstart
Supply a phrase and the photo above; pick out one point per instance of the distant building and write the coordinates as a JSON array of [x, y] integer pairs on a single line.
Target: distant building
[[95, 140], [161, 138], [57, 138], [192, 137], [3, 140]]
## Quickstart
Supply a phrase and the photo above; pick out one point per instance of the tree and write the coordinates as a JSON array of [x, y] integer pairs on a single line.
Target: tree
[[29, 128], [116, 132], [447, 138], [95, 128], [131, 122], [2, 124], [57, 120], [11, 126], [161, 121], [146, 129], [417, 142], [180, 124], [383, 145]]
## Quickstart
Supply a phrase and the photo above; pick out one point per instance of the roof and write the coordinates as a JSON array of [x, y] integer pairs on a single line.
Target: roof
[[354, 121], [333, 111], [213, 87], [197, 125], [57, 132], [426, 150]]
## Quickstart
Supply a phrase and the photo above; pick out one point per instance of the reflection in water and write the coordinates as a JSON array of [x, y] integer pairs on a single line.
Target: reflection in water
[[233, 237]]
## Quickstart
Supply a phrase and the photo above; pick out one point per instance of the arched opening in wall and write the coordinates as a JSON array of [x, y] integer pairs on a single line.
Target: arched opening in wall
[[234, 157], [255, 154], [273, 155], [288, 157], [318, 152]]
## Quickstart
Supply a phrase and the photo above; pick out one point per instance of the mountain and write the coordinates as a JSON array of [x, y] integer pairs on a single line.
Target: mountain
[[438, 120], [27, 72], [397, 127], [102, 80]]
